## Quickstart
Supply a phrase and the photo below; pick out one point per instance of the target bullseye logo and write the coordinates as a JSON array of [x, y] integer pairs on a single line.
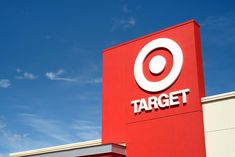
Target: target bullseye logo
[[157, 64]]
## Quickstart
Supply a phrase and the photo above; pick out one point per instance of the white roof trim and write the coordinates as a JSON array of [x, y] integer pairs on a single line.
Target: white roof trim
[[58, 148], [85, 151], [218, 97]]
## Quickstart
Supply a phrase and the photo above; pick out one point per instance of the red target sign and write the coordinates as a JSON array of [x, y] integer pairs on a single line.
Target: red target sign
[[152, 89]]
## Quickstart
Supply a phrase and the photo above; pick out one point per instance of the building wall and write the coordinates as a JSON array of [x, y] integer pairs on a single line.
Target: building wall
[[219, 125]]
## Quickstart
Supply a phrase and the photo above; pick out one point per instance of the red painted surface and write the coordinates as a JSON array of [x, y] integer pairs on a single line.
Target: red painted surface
[[171, 132]]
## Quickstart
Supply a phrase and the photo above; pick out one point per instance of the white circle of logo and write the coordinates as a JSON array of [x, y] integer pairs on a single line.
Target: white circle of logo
[[157, 64]]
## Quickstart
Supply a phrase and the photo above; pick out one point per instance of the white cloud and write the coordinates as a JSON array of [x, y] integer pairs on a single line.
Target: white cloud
[[2, 124], [130, 10], [42, 128], [94, 81], [130, 22], [57, 76], [86, 130], [18, 70], [83, 125], [125, 9], [11, 141], [89, 135], [78, 129], [124, 23], [26, 76], [3, 155], [111, 43], [219, 30], [5, 83], [48, 127]]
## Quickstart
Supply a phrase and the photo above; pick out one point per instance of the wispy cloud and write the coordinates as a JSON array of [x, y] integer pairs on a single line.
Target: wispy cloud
[[44, 128], [218, 39], [94, 81], [3, 155], [26, 76], [78, 129], [126, 20], [219, 30], [48, 127], [86, 130], [58, 76], [111, 43], [18, 70], [2, 124], [125, 9], [83, 125], [124, 23], [21, 107], [5, 83], [129, 22], [11, 141]]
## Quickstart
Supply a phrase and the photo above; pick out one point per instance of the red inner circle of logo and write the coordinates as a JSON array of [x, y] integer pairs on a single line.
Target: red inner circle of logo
[[169, 63]]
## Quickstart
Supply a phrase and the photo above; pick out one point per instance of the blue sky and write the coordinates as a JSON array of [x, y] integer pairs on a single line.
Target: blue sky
[[51, 59]]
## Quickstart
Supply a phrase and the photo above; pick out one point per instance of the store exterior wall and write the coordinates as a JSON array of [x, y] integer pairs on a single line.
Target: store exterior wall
[[219, 125]]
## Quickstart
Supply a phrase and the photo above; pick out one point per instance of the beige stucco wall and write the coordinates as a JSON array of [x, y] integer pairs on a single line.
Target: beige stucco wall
[[219, 124]]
